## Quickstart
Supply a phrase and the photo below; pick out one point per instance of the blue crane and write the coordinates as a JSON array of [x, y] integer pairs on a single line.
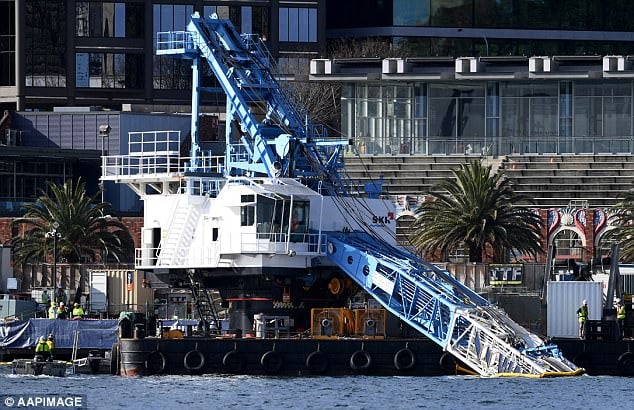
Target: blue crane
[[278, 141]]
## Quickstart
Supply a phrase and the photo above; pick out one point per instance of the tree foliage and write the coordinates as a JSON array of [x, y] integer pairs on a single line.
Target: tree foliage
[[83, 232], [478, 209]]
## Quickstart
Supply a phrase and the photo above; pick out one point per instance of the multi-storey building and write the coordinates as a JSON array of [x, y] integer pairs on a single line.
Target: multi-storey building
[[83, 53], [56, 53], [488, 28]]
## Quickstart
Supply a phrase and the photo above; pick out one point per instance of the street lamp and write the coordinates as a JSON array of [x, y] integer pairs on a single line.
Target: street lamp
[[55, 235], [104, 132]]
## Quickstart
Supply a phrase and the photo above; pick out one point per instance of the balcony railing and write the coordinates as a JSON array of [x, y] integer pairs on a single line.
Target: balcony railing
[[507, 145]]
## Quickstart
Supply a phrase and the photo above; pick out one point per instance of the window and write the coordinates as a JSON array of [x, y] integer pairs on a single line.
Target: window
[[411, 12], [247, 215], [109, 70], [45, 43], [109, 19], [171, 73], [7, 44], [298, 25]]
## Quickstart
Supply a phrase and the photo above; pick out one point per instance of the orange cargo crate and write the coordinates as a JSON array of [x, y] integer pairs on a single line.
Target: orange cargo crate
[[370, 323], [331, 322]]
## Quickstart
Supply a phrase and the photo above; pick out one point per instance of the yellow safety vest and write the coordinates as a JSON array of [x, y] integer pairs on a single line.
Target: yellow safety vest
[[583, 314], [41, 347], [620, 312]]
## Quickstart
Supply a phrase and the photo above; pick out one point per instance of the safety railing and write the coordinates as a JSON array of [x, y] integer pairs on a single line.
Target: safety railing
[[174, 42], [283, 243], [157, 153], [484, 146]]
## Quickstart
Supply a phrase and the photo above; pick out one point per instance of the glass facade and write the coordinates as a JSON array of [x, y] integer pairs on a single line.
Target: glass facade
[[596, 15], [171, 72], [298, 25], [23, 179], [413, 23], [109, 70], [490, 117], [45, 43], [7, 43], [106, 19]]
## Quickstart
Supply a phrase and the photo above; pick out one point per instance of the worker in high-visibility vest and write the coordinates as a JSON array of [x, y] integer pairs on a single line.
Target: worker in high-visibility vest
[[41, 349], [46, 299], [77, 312], [53, 311], [50, 342], [582, 314], [620, 316]]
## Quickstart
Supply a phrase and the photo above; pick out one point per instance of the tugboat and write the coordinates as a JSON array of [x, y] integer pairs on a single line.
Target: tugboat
[[274, 227]]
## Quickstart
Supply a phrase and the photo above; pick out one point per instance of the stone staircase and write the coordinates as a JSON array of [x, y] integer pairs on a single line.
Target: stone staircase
[[554, 181], [402, 174]]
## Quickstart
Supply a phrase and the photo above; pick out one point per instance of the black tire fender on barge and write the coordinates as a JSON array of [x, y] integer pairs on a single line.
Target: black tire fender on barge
[[233, 361], [194, 360], [115, 360], [317, 362], [404, 359], [625, 363], [155, 362], [271, 362], [360, 360], [448, 363]]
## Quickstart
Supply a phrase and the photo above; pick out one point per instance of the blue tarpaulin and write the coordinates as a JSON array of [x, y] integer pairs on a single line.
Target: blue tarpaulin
[[93, 334]]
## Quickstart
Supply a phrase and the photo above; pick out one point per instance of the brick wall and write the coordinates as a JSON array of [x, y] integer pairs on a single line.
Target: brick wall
[[134, 225]]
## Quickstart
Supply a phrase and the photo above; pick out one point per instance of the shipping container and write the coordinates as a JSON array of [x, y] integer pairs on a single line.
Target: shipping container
[[564, 298], [127, 290]]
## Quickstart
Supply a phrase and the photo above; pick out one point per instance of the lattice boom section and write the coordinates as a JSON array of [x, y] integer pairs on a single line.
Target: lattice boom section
[[481, 343], [418, 303]]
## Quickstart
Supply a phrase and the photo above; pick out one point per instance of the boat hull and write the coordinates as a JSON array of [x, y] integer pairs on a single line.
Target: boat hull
[[39, 368], [293, 357]]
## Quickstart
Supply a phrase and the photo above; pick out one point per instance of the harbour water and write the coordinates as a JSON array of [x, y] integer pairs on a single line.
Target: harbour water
[[357, 392]]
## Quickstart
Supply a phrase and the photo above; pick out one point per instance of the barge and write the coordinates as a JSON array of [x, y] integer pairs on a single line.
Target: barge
[[272, 225], [305, 357]]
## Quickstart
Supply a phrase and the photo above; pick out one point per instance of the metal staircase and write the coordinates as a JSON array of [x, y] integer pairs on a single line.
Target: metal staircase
[[452, 315], [205, 306], [173, 250]]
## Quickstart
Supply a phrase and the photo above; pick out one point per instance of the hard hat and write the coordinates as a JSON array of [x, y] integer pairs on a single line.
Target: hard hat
[[42, 339], [76, 305], [61, 303], [584, 302], [618, 300]]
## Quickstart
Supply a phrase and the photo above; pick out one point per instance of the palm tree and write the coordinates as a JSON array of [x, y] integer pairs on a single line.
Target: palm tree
[[478, 209], [624, 221], [83, 232]]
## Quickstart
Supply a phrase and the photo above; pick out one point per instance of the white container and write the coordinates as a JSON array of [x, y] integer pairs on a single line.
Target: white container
[[563, 300]]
